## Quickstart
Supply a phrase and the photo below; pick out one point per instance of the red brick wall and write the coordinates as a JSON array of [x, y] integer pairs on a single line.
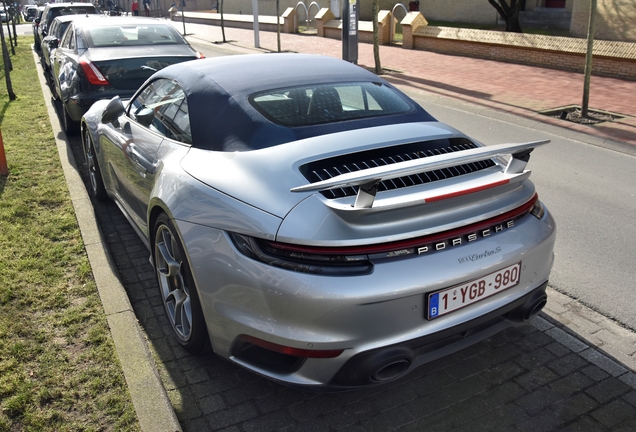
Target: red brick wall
[[601, 66]]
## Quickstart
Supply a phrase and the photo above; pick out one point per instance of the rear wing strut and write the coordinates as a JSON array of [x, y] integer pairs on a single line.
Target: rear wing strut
[[367, 180]]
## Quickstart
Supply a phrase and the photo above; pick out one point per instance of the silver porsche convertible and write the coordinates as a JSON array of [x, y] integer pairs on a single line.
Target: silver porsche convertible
[[314, 223]]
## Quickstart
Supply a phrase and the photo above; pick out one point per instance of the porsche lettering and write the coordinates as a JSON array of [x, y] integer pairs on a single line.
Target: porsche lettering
[[458, 241]]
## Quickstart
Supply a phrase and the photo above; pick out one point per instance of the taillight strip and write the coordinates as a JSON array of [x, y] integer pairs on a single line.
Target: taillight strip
[[404, 244]]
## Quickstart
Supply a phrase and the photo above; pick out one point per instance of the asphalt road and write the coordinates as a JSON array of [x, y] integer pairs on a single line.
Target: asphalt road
[[591, 192]]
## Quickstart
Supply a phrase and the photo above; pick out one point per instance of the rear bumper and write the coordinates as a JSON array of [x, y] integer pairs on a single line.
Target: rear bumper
[[377, 320], [391, 362]]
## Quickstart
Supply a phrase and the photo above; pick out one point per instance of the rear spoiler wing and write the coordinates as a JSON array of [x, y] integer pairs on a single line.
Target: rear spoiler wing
[[367, 180]]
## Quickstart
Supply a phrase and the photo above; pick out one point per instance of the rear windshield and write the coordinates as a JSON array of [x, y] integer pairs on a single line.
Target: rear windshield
[[72, 10], [131, 73], [304, 106], [146, 34]]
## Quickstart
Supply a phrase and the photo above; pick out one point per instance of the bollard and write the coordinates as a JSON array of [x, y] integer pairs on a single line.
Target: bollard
[[4, 169]]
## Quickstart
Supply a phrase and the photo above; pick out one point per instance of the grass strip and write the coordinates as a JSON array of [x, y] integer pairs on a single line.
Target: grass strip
[[58, 366]]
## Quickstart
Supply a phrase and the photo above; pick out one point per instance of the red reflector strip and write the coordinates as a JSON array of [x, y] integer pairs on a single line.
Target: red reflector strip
[[467, 191], [296, 352]]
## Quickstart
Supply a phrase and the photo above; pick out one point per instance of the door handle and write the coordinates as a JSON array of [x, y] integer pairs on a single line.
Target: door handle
[[140, 160]]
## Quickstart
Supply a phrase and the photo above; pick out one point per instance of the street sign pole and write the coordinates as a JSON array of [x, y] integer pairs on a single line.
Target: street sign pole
[[350, 31]]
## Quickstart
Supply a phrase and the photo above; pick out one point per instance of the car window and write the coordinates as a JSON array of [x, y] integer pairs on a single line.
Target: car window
[[71, 39], [66, 39], [70, 10], [61, 28], [131, 34], [168, 104], [304, 106]]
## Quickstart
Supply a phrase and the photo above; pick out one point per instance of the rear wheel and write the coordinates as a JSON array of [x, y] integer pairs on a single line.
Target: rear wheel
[[177, 286], [71, 127], [97, 188], [52, 85]]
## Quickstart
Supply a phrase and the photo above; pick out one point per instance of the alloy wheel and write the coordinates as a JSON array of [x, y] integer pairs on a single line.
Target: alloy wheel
[[172, 283]]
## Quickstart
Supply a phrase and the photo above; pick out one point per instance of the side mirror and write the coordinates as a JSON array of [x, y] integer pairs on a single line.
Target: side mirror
[[51, 41], [145, 116], [113, 110]]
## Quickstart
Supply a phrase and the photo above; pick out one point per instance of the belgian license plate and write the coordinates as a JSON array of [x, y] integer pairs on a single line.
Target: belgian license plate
[[451, 299]]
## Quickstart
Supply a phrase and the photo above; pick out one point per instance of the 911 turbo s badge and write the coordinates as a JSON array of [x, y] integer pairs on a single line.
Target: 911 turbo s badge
[[476, 257]]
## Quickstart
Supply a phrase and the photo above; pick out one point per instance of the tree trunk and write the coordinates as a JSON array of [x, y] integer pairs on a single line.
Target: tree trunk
[[10, 37], [510, 13], [7, 65], [376, 37], [13, 20]]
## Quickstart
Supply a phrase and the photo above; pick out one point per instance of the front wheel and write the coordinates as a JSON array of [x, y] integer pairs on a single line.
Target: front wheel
[[177, 288]]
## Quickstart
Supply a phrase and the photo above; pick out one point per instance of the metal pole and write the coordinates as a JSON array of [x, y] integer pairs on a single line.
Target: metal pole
[[257, 43], [588, 59], [183, 16]]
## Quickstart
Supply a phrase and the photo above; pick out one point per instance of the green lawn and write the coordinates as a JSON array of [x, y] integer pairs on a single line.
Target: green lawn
[[58, 366]]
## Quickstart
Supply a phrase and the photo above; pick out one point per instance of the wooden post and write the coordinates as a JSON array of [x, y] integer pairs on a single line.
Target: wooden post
[[4, 169]]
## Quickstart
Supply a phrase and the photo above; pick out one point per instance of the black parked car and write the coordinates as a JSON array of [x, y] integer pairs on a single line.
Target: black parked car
[[57, 9], [36, 25], [51, 42], [29, 12], [101, 57]]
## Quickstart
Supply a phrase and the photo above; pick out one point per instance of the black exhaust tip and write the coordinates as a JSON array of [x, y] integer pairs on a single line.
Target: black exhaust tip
[[391, 370], [529, 309], [536, 308]]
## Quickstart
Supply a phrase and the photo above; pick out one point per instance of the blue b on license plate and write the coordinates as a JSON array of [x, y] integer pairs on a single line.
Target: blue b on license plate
[[451, 299]]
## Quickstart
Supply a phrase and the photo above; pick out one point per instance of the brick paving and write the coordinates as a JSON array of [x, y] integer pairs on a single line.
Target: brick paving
[[568, 369], [537, 377]]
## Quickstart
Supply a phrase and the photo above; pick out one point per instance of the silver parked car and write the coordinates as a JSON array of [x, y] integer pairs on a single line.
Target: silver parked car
[[316, 224]]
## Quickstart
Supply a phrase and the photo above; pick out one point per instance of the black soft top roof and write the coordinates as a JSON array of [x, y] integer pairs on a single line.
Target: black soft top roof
[[221, 117]]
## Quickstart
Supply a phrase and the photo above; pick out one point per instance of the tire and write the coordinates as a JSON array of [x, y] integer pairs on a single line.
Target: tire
[[71, 127], [51, 82], [97, 188], [48, 77], [176, 286]]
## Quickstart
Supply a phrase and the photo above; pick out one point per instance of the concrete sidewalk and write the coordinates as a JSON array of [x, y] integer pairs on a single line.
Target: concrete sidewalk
[[516, 89]]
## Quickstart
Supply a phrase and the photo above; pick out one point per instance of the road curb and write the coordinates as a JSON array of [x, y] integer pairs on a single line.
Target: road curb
[[152, 405]]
